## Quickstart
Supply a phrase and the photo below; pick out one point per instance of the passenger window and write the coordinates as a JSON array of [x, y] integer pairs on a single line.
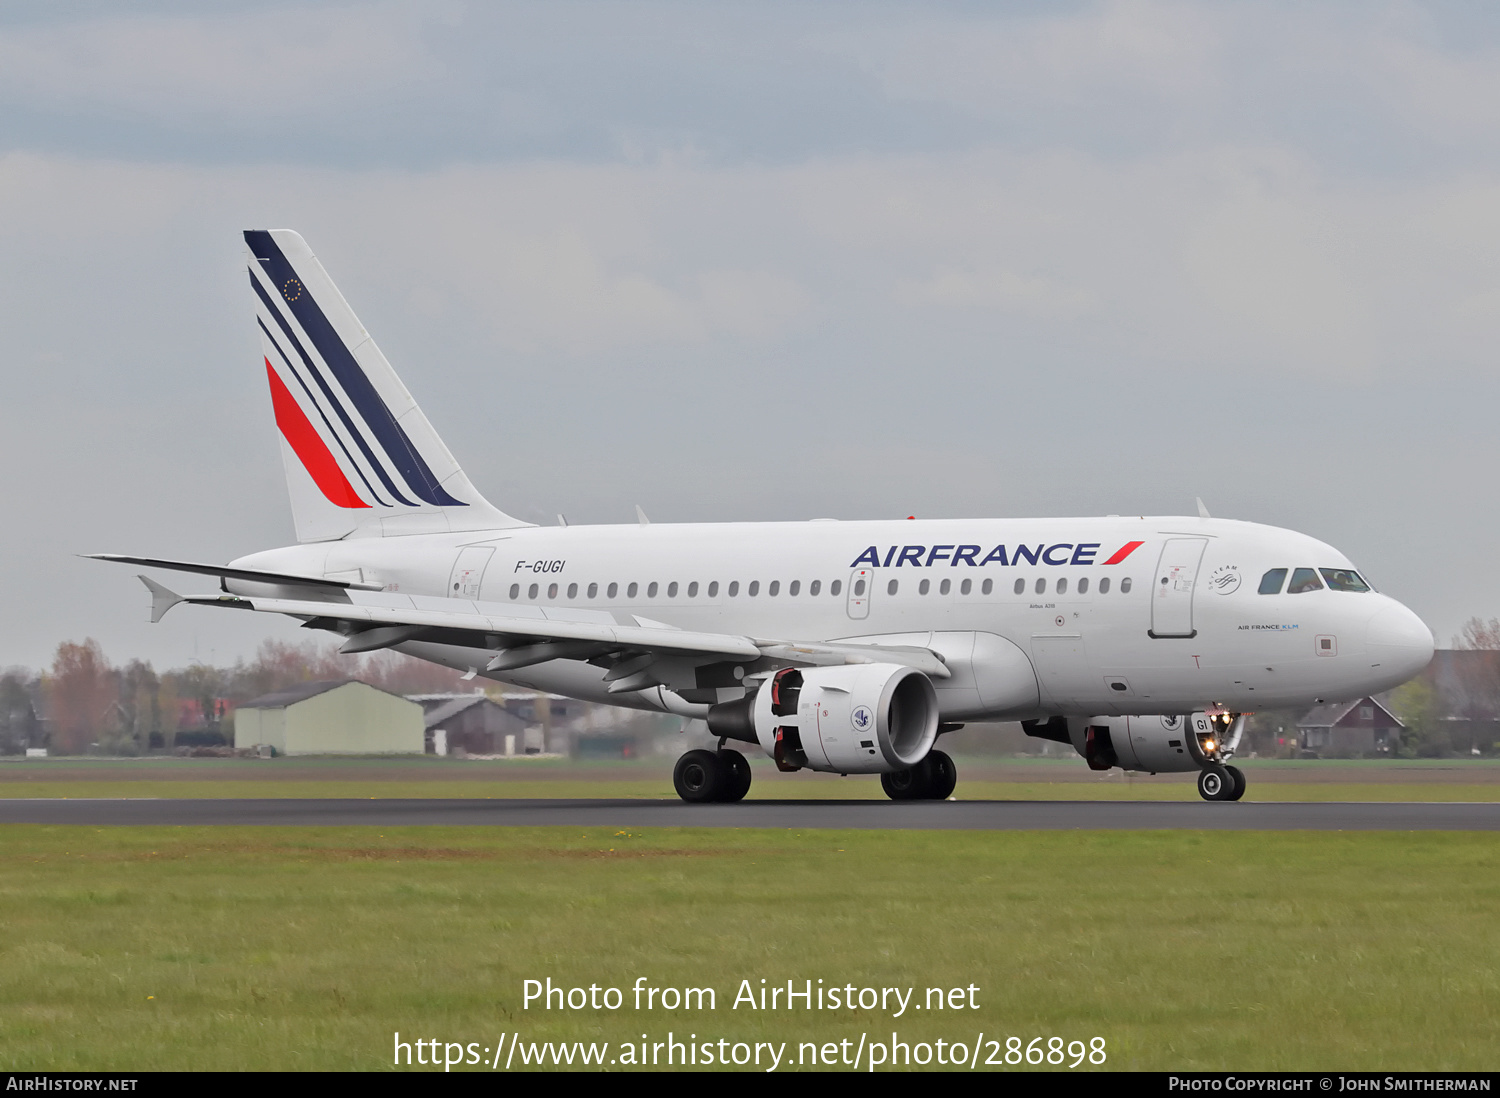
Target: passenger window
[[1020, 587], [1041, 587], [672, 590], [651, 591], [890, 588], [924, 587], [945, 587], [515, 590], [593, 590], [1062, 586], [734, 588], [713, 589], [774, 588], [753, 589], [1083, 586], [614, 589], [1304, 580], [838, 585], [572, 590], [552, 590], [1125, 586], [1104, 586], [693, 590], [631, 590], [859, 587], [793, 587], [965, 587], [531, 592], [1343, 579], [814, 587], [1270, 583], [987, 587]]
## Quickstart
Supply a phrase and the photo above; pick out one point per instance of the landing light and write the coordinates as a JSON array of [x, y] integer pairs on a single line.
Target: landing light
[[1208, 745]]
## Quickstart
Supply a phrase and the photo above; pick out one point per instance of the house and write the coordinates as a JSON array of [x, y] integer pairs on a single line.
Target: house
[[1361, 727], [330, 718], [473, 724]]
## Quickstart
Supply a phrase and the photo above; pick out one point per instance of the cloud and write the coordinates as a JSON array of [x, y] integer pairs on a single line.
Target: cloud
[[246, 66]]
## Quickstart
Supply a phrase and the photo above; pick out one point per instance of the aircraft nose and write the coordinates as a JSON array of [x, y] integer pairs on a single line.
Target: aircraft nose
[[1399, 640]]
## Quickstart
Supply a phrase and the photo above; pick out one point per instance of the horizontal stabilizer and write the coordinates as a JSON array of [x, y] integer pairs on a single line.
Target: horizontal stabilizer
[[224, 572]]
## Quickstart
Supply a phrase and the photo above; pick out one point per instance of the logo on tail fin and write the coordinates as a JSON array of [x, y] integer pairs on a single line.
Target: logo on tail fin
[[357, 421], [309, 447]]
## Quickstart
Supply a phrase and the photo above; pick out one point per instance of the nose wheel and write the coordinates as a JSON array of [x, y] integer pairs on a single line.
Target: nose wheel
[[1221, 783]]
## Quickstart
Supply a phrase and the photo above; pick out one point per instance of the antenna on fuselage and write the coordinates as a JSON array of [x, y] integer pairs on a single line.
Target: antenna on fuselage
[[641, 515], [1202, 510]]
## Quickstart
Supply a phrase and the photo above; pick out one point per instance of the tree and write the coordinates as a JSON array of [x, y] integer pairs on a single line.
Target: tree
[[1477, 669], [1420, 709], [81, 697], [18, 723]]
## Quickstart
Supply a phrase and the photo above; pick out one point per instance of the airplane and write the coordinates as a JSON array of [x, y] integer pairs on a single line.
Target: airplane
[[847, 647]]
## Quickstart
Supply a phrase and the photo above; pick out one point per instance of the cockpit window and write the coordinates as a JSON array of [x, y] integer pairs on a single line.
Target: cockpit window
[[1303, 579], [1270, 583], [1343, 579]]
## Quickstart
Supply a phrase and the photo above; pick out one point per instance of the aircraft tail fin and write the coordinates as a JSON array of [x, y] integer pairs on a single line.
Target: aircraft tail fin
[[361, 459]]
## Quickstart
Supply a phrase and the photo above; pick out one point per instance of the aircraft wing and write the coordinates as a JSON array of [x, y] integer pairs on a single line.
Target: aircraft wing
[[520, 635]]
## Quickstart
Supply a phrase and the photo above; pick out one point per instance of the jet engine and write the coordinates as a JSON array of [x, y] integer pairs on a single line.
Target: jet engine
[[872, 718], [1156, 744]]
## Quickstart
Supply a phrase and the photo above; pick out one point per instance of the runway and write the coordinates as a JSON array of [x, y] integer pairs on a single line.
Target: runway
[[863, 815]]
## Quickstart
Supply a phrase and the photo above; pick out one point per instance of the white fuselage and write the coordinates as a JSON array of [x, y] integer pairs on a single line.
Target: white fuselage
[[1175, 625]]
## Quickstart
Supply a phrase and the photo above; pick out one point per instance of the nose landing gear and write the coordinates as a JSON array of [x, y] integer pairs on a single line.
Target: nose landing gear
[[1217, 782]]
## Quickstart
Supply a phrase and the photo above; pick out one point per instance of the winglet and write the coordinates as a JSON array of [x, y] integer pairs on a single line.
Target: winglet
[[162, 598], [1202, 510]]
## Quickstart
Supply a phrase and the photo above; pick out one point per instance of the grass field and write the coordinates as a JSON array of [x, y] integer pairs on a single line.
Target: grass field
[[979, 779], [288, 948]]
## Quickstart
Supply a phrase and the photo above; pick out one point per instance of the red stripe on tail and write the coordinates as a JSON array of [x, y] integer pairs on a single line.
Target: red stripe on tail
[[1125, 551], [309, 446]]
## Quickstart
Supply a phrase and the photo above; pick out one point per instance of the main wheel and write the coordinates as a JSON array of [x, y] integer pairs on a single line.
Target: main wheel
[[736, 772], [1239, 782], [942, 775], [905, 785], [1215, 784], [698, 777]]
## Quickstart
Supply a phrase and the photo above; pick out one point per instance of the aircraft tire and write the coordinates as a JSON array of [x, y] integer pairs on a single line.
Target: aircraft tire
[[736, 773], [942, 775], [906, 785], [1215, 784], [1239, 782], [698, 777]]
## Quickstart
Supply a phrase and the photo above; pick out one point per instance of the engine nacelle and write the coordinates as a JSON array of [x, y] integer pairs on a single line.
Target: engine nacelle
[[870, 718], [1156, 744]]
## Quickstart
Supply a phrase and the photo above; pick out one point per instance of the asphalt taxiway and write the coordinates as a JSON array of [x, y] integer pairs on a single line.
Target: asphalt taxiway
[[944, 815]]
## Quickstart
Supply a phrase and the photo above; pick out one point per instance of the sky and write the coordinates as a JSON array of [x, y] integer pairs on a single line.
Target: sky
[[754, 262]]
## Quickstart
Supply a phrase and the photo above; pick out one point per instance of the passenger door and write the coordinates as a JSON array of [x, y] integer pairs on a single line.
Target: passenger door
[[468, 571], [1172, 592]]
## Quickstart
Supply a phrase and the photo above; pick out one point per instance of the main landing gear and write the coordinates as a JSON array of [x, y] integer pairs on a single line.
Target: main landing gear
[[932, 779], [1221, 783], [704, 777]]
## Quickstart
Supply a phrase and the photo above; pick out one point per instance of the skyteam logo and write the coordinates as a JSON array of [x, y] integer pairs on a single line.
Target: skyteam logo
[[863, 719], [330, 413], [1057, 553]]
